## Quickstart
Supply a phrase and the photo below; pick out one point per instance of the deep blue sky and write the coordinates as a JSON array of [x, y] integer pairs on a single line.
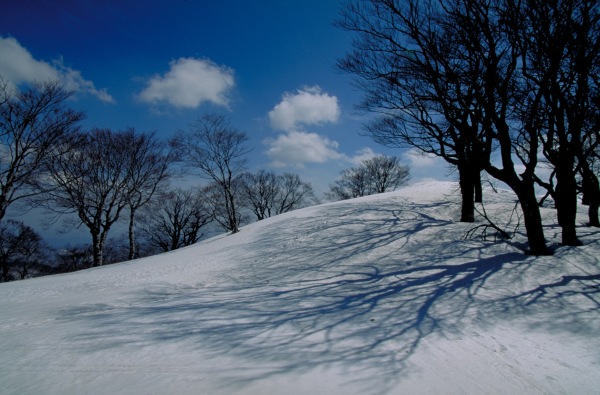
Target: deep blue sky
[[159, 65]]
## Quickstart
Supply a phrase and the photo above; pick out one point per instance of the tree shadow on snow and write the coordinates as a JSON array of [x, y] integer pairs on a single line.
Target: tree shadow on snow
[[360, 289]]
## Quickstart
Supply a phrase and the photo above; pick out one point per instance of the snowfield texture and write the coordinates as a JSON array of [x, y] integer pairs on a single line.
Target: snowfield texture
[[378, 295]]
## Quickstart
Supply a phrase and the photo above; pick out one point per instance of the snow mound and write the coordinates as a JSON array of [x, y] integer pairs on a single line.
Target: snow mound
[[377, 295]]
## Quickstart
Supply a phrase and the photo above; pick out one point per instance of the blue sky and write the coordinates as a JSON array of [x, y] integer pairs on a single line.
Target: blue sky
[[158, 66]]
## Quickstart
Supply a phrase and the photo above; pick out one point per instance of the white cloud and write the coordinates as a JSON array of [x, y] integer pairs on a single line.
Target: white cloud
[[18, 66], [298, 148], [308, 106], [189, 83]]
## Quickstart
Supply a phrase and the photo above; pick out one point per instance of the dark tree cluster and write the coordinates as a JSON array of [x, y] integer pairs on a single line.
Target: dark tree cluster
[[267, 193], [23, 253], [376, 175], [176, 219], [489, 85]]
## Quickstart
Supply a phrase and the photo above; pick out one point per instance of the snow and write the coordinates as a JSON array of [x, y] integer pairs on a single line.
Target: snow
[[377, 295]]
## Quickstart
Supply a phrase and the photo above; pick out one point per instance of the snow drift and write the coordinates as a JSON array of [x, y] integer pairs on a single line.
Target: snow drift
[[378, 295]]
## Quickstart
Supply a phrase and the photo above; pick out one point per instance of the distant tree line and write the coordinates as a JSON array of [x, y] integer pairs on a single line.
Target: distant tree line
[[376, 175], [509, 88], [100, 177]]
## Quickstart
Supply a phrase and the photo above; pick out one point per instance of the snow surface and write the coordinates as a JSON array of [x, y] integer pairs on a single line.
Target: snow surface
[[378, 295]]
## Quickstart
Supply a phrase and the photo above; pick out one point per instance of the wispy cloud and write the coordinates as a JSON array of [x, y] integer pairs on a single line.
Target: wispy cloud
[[189, 83], [18, 66], [307, 106]]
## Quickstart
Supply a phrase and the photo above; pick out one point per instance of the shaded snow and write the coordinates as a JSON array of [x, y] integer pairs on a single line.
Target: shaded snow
[[378, 295]]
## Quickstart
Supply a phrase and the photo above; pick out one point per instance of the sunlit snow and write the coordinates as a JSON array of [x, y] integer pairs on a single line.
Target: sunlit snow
[[378, 295]]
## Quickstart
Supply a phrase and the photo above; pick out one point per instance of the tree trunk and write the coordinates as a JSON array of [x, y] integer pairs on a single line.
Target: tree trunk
[[525, 191], [132, 246], [591, 193], [97, 247], [467, 191], [478, 187], [533, 220], [593, 214], [566, 202], [2, 207], [174, 242], [5, 268], [231, 211]]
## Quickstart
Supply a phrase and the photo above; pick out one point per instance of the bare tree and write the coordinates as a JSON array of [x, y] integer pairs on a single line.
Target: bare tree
[[351, 183], [376, 175], [175, 219], [217, 151], [421, 82], [260, 190], [561, 61], [22, 251], [293, 193], [267, 193], [386, 173], [73, 258], [215, 196], [590, 171], [32, 124], [447, 77], [92, 181], [512, 107], [148, 171]]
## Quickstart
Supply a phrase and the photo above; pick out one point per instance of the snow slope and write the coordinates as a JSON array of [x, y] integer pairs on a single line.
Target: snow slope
[[378, 295]]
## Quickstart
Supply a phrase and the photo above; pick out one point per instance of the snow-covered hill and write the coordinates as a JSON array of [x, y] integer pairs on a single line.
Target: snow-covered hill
[[376, 295]]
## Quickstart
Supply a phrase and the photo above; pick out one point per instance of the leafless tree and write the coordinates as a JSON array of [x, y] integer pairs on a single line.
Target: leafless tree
[[92, 181], [32, 124], [260, 191], [267, 193], [175, 219], [561, 61], [293, 193], [351, 183], [590, 172], [22, 251], [73, 258], [148, 171], [215, 196], [386, 173], [420, 82], [217, 151], [448, 78], [376, 175]]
